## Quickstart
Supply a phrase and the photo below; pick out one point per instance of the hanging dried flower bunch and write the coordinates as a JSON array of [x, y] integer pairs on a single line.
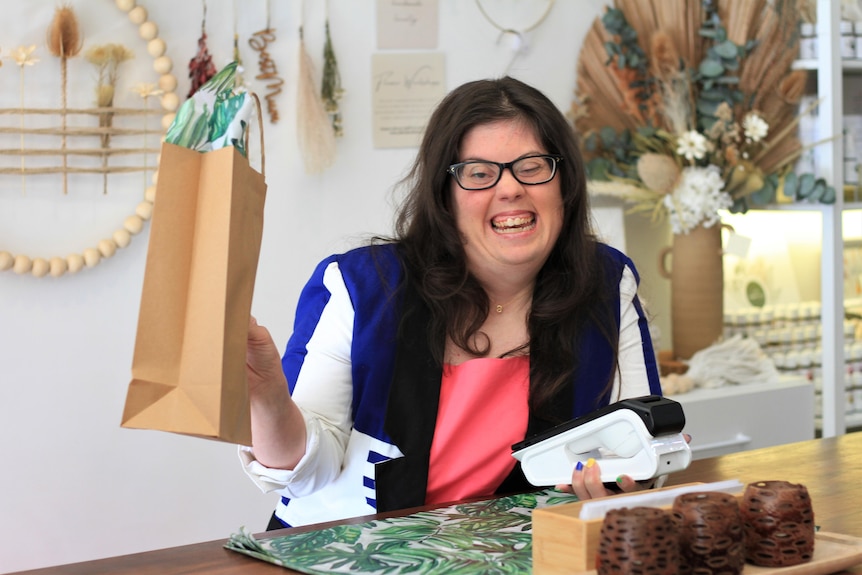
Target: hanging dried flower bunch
[[331, 85], [107, 59], [64, 41], [201, 67]]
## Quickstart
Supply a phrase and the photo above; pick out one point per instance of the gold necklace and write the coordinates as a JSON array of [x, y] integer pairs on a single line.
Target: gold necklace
[[500, 306]]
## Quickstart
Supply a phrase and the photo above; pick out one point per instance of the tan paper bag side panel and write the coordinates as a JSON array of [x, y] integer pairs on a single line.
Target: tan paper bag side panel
[[158, 343], [246, 231]]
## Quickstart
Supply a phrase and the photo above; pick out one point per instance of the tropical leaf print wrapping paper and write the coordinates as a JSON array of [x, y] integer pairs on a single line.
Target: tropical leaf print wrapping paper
[[491, 537]]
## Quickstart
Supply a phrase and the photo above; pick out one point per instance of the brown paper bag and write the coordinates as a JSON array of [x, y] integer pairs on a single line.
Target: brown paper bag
[[188, 370]]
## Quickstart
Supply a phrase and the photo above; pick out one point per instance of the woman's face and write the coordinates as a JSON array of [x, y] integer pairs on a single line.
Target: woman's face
[[510, 226]]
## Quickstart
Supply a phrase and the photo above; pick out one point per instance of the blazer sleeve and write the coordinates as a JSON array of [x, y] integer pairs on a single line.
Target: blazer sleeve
[[317, 363], [638, 369]]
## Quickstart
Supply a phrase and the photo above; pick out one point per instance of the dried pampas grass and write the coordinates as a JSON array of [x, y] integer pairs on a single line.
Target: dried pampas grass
[[668, 31], [664, 60], [316, 136]]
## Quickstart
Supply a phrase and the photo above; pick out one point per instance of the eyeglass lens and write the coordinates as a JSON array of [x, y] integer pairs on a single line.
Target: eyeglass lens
[[529, 170]]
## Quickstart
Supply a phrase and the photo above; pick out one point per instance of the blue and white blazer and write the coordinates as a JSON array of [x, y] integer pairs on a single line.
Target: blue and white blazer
[[360, 368]]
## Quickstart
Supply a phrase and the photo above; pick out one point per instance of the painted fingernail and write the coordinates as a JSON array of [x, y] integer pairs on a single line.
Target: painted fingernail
[[590, 462], [620, 480], [579, 466]]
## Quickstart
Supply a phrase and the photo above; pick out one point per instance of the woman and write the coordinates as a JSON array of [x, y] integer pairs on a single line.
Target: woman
[[493, 315]]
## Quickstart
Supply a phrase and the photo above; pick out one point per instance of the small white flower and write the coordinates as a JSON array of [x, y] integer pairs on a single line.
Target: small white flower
[[146, 90], [692, 145], [754, 127], [23, 55], [697, 199]]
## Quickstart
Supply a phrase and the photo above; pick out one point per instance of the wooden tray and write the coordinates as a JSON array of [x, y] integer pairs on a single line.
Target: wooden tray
[[564, 544], [832, 552]]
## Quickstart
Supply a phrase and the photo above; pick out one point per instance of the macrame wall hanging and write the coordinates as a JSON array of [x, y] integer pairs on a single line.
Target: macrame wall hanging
[[268, 70], [518, 36], [64, 42], [315, 135]]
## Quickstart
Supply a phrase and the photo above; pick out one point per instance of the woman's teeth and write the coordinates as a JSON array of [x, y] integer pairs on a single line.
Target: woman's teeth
[[514, 224]]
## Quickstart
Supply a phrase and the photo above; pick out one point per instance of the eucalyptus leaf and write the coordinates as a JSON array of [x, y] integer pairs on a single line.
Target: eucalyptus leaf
[[707, 108], [740, 206], [726, 49], [828, 196], [764, 195], [713, 95], [597, 169], [609, 137], [819, 190], [806, 186], [711, 68], [791, 184], [613, 19]]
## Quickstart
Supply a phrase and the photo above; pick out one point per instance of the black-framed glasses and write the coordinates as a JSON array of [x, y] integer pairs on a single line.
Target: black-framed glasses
[[484, 174]]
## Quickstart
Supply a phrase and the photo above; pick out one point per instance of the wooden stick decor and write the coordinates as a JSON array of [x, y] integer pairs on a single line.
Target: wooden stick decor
[[259, 42]]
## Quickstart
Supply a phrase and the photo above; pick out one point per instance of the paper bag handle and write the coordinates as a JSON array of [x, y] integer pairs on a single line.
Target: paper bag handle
[[260, 129]]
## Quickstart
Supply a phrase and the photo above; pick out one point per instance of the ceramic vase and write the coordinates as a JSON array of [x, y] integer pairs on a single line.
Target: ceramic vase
[[693, 263]]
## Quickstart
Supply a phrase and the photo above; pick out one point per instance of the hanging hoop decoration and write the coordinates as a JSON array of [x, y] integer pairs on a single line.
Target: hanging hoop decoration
[[520, 44], [134, 223]]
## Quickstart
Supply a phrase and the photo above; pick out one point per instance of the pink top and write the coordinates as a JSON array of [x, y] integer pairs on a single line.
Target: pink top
[[471, 453]]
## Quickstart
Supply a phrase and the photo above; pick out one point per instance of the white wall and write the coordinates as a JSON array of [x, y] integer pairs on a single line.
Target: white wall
[[75, 486]]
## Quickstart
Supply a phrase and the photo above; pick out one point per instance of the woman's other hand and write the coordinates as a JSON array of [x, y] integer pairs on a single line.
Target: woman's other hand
[[277, 426], [263, 363], [587, 482]]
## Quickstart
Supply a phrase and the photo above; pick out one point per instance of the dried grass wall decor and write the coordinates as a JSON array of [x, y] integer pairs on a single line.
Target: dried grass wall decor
[[65, 41]]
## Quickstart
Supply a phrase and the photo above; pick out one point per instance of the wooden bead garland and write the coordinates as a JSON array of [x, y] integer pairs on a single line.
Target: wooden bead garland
[[133, 224]]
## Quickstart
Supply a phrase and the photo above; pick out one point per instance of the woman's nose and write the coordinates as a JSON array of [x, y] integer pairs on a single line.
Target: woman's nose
[[508, 187]]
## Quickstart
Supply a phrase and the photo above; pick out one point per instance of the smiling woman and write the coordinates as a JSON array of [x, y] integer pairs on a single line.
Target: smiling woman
[[40, 266], [493, 314]]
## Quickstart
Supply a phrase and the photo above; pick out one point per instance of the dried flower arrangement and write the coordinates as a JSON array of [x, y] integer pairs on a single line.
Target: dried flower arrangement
[[64, 41], [107, 59], [687, 107]]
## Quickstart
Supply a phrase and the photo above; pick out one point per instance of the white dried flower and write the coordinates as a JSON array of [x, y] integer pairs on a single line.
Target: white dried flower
[[697, 199], [146, 90], [692, 145], [23, 55], [754, 127]]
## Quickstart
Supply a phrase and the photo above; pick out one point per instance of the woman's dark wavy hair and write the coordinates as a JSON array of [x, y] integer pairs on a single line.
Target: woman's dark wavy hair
[[570, 288]]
